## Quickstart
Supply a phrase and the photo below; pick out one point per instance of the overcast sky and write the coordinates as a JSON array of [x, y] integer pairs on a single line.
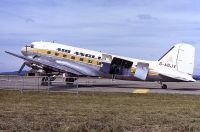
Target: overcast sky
[[135, 28]]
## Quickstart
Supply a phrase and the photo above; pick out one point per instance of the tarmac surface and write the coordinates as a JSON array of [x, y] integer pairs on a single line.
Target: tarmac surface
[[107, 85], [98, 85]]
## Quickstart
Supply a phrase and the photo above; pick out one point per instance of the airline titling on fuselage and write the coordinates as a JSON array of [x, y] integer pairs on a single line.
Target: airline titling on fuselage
[[176, 65]]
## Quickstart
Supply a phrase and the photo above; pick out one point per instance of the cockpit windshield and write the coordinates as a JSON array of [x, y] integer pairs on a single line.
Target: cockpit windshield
[[29, 46]]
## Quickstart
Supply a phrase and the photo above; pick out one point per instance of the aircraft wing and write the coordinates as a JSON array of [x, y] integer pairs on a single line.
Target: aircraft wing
[[56, 65]]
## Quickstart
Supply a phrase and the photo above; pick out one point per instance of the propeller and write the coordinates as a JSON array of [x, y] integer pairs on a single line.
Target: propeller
[[24, 64], [26, 49], [22, 67]]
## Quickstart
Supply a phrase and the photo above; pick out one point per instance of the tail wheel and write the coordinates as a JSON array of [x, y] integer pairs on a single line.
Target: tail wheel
[[164, 86]]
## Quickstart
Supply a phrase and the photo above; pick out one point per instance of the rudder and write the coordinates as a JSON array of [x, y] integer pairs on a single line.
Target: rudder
[[180, 57]]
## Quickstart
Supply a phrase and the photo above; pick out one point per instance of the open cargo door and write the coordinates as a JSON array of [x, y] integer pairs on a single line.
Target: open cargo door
[[117, 66], [120, 66], [142, 70]]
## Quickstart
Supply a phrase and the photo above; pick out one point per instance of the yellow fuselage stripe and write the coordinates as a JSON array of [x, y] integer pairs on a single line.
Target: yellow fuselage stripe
[[72, 57], [67, 56]]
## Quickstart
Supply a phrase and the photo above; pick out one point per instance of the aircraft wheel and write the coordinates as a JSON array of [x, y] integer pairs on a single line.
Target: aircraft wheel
[[164, 86], [70, 81], [45, 81]]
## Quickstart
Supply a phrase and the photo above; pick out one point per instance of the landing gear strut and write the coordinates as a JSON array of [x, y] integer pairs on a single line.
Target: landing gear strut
[[163, 86], [47, 80]]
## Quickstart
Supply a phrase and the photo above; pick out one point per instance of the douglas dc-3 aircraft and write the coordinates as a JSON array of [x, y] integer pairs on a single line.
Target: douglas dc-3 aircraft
[[48, 57]]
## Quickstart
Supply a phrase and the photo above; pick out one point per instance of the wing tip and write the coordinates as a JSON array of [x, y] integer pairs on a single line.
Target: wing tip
[[7, 52]]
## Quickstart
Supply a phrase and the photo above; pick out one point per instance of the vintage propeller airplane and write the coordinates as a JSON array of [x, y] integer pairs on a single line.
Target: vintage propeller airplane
[[49, 58]]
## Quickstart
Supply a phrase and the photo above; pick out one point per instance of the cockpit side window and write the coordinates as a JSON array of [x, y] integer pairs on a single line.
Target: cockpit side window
[[32, 46], [82, 54]]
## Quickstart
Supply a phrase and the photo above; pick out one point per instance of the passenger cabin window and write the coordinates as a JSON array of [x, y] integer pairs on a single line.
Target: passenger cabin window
[[88, 55], [56, 54], [77, 53], [59, 49], [93, 56], [99, 58], [67, 51], [48, 52], [82, 54]]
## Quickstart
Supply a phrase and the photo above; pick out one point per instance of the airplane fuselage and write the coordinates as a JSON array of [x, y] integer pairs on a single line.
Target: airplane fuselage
[[89, 59]]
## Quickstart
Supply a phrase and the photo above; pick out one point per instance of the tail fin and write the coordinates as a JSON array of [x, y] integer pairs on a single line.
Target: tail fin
[[181, 57]]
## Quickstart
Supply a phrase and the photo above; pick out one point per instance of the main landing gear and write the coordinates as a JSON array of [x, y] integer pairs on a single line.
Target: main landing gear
[[163, 86], [47, 80], [70, 80]]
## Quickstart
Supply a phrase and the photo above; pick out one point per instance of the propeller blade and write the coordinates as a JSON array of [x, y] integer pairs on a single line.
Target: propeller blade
[[22, 67]]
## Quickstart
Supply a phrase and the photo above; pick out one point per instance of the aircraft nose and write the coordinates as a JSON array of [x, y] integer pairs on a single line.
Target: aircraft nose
[[24, 51]]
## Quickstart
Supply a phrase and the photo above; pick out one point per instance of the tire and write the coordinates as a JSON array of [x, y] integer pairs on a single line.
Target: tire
[[45, 81], [70, 81], [164, 86]]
